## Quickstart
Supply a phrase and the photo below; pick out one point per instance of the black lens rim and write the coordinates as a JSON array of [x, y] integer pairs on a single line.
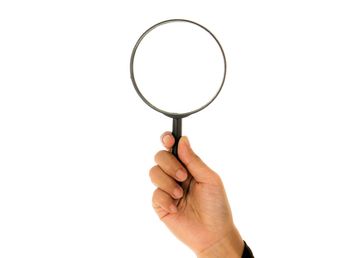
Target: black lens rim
[[132, 75]]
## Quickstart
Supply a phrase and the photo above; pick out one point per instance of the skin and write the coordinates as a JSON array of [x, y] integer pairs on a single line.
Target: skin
[[190, 199]]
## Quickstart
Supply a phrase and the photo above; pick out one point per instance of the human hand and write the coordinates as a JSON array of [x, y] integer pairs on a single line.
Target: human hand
[[190, 199]]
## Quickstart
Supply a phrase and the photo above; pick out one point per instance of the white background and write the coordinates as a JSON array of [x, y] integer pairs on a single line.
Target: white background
[[76, 142]]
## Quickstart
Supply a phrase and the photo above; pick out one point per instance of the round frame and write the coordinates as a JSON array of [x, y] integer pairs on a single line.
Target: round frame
[[170, 114]]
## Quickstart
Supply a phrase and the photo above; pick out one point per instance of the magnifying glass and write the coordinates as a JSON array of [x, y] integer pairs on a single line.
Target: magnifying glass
[[178, 68]]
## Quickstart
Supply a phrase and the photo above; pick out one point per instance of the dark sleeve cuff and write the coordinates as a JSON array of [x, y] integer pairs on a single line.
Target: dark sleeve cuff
[[247, 253]]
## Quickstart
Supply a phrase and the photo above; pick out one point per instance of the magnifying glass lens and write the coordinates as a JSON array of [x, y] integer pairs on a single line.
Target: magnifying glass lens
[[179, 67]]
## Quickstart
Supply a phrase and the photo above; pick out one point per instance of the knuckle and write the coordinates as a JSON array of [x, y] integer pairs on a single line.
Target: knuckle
[[159, 197], [159, 155], [155, 196], [152, 171], [195, 160]]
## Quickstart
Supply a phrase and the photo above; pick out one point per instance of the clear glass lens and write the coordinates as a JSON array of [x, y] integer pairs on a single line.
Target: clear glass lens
[[179, 67]]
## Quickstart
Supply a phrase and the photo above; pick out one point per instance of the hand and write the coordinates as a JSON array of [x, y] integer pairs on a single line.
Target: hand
[[190, 199]]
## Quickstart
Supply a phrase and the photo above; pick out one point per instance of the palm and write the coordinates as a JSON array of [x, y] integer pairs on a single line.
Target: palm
[[203, 215]]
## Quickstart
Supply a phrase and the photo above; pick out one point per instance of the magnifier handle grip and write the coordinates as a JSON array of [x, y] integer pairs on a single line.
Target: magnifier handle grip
[[177, 133]]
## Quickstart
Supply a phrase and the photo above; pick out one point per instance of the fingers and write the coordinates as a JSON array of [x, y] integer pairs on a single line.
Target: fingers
[[167, 140], [170, 165], [163, 203], [163, 181], [198, 169]]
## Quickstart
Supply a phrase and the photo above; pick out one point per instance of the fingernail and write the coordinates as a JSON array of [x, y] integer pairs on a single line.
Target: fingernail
[[166, 139], [186, 141], [173, 208], [178, 192], [181, 175]]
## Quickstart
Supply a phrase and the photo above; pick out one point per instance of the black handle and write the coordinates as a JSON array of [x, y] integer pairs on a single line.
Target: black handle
[[177, 133]]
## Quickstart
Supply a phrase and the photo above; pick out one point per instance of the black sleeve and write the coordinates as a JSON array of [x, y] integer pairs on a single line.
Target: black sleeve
[[247, 253]]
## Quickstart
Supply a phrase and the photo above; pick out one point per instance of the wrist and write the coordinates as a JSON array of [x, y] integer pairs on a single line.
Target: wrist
[[231, 246]]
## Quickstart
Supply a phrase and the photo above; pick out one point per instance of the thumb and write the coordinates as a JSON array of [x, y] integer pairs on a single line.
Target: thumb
[[198, 169]]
